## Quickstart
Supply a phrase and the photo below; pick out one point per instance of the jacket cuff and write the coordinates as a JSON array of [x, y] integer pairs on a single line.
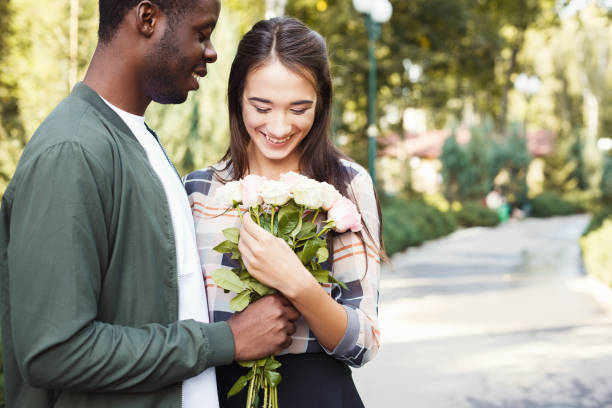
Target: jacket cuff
[[220, 343], [348, 341]]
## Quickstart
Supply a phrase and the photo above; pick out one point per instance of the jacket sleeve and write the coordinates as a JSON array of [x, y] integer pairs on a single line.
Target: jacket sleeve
[[357, 264], [57, 253]]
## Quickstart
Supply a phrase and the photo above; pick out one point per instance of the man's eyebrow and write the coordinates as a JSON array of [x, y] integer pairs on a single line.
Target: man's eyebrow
[[211, 23]]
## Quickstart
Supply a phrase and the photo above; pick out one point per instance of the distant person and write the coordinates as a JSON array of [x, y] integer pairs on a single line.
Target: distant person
[[103, 303], [280, 98], [496, 201]]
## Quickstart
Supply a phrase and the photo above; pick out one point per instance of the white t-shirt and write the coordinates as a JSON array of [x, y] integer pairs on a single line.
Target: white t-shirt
[[201, 390]]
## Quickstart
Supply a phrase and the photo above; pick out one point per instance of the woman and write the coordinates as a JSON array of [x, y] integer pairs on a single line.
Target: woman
[[279, 99]]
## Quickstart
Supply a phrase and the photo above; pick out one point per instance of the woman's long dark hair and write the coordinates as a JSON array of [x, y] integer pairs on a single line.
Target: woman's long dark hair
[[304, 52]]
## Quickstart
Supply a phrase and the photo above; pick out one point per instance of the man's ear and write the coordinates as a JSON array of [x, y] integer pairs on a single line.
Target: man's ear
[[147, 17]]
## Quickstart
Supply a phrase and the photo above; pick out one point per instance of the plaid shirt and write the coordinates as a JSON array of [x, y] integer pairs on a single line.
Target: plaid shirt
[[350, 263]]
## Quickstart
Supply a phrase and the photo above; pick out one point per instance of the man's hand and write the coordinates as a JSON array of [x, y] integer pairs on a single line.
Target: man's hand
[[263, 328]]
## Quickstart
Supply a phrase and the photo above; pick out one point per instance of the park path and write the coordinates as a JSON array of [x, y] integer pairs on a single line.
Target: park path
[[493, 318]]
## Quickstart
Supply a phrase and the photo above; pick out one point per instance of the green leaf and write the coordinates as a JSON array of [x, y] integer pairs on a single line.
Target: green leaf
[[228, 280], [236, 254], [309, 251], [307, 231], [273, 377], [272, 364], [297, 229], [226, 246], [246, 364], [238, 386], [288, 220], [232, 234], [240, 301], [265, 219], [260, 288], [322, 254], [339, 282], [322, 276]]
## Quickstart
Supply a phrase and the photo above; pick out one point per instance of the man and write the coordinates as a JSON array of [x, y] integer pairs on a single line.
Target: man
[[102, 295]]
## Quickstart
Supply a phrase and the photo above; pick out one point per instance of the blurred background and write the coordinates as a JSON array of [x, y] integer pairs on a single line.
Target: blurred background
[[469, 113]]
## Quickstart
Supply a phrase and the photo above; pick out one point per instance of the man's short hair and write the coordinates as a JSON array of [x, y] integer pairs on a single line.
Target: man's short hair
[[112, 13]]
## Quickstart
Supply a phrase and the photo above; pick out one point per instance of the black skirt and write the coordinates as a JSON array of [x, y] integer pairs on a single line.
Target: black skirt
[[311, 380]]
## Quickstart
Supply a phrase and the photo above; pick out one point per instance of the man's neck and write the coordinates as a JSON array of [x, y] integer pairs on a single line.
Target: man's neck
[[114, 78]]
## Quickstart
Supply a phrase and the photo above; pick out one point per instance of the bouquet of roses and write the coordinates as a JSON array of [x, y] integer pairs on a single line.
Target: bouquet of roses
[[288, 209]]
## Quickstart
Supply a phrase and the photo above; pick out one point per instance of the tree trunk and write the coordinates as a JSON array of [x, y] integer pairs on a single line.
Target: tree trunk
[[501, 124], [74, 43]]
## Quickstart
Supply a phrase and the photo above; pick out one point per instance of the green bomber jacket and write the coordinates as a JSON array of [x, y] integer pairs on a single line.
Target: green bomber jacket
[[88, 274]]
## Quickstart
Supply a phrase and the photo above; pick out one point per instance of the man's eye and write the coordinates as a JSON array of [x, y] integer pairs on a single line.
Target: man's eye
[[203, 38]]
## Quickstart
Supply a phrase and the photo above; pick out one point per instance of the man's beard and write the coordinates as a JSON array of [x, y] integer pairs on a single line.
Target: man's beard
[[162, 72]]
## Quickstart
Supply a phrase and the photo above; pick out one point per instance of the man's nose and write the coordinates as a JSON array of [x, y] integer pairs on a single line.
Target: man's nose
[[210, 54]]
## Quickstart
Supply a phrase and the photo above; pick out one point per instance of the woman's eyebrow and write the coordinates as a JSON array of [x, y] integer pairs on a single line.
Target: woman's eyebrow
[[256, 99], [262, 100], [302, 102]]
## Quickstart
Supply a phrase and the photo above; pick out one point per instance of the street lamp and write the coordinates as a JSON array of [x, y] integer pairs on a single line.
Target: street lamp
[[376, 12], [528, 86]]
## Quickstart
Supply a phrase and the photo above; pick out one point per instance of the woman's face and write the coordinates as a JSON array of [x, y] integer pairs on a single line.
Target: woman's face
[[278, 110]]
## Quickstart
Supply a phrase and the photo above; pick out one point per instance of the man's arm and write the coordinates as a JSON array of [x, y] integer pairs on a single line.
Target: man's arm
[[58, 252]]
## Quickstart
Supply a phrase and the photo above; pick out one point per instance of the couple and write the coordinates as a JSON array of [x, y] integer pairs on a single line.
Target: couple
[[103, 273]]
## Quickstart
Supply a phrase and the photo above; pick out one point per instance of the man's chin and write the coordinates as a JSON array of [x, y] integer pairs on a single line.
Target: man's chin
[[171, 99]]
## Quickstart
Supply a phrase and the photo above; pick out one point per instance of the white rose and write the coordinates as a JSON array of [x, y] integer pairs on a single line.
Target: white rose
[[292, 179], [329, 195], [308, 193], [228, 193], [275, 192]]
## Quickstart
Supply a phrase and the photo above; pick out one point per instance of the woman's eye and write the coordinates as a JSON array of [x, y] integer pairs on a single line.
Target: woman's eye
[[298, 111], [262, 110]]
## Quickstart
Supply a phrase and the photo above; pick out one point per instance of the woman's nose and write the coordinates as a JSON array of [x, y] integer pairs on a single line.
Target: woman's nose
[[279, 126]]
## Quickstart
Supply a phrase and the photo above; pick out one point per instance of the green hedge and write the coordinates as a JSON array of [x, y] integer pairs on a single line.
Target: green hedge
[[598, 219], [596, 251], [549, 204], [411, 222], [474, 214]]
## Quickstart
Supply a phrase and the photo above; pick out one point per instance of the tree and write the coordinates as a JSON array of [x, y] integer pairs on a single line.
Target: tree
[[12, 134]]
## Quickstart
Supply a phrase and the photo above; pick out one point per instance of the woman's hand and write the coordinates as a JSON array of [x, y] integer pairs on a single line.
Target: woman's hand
[[271, 261]]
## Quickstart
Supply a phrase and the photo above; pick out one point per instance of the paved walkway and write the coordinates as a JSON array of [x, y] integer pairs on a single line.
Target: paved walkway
[[493, 318]]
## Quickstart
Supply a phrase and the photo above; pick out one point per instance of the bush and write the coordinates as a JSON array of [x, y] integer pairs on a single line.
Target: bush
[[474, 214], [410, 223], [549, 204], [596, 252], [598, 219]]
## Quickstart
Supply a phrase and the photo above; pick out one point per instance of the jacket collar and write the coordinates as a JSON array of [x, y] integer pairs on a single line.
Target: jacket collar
[[90, 96]]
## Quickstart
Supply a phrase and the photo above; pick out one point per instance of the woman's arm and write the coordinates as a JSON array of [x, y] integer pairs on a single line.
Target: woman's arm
[[345, 324], [272, 262]]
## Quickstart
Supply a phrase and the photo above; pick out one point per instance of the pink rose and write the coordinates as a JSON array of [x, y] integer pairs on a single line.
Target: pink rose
[[345, 215], [251, 187], [329, 195]]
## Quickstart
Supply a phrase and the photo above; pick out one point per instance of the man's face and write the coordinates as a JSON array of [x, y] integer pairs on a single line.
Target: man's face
[[179, 59]]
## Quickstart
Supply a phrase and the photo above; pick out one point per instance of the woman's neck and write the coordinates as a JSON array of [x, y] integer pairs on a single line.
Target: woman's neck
[[271, 169]]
